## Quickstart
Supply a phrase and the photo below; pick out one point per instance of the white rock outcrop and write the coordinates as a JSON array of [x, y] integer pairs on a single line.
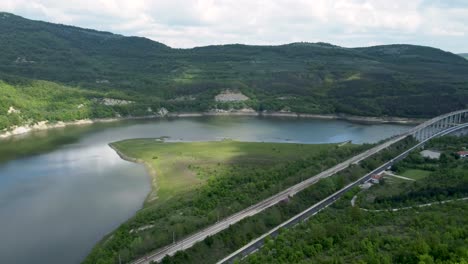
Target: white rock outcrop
[[111, 101], [229, 96], [163, 112], [23, 60]]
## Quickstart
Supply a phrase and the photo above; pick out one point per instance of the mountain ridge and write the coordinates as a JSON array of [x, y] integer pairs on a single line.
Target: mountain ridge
[[319, 78]]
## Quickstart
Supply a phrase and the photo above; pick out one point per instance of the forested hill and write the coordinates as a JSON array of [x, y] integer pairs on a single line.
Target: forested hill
[[394, 80], [464, 55]]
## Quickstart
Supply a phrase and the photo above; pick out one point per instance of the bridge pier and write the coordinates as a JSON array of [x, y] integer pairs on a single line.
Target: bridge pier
[[440, 125], [435, 125], [417, 135]]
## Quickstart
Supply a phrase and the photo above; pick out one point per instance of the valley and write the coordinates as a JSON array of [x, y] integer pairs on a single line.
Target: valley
[[120, 148]]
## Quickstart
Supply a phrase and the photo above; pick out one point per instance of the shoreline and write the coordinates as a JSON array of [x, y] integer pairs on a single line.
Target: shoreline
[[345, 117], [46, 125], [151, 172]]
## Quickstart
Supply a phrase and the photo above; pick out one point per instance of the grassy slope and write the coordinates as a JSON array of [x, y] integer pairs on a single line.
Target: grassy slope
[[220, 245], [180, 167], [416, 174], [42, 100], [197, 182], [398, 80], [434, 178]]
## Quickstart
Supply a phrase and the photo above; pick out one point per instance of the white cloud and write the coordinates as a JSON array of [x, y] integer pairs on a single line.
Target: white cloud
[[446, 32], [447, 21], [394, 15], [188, 23]]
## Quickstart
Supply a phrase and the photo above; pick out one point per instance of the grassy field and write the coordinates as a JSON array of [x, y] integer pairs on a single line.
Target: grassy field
[[394, 180], [416, 174], [220, 245], [197, 183], [180, 167], [392, 186], [434, 179]]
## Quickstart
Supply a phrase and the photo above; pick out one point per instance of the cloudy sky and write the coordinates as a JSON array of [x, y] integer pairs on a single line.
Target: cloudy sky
[[189, 23]]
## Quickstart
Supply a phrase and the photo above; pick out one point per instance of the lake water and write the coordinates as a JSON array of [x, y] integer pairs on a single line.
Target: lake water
[[62, 190]]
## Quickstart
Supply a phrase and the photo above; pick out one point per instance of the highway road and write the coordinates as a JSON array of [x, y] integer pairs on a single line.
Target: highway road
[[304, 215], [256, 208], [189, 241]]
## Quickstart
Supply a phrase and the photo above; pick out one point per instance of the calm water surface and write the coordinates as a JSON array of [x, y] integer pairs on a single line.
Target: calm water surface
[[62, 190]]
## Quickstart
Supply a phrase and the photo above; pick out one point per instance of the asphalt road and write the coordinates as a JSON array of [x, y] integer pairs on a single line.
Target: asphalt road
[[189, 241], [256, 208], [304, 215]]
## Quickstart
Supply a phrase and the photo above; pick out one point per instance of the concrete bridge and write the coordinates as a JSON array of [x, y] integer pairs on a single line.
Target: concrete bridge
[[440, 123], [448, 124], [438, 126]]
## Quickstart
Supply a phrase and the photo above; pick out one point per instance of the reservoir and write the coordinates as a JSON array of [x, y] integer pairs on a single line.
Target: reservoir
[[62, 190]]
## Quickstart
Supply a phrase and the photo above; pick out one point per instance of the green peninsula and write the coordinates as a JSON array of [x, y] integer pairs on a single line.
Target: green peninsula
[[197, 183]]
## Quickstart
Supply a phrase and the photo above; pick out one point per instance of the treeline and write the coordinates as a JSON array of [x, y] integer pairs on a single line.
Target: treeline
[[25, 102], [392, 80], [346, 234], [229, 189], [435, 234], [222, 244], [448, 178]]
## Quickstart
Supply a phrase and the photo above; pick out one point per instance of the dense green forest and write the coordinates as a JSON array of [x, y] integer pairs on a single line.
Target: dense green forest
[[391, 80], [26, 102], [41, 100], [430, 234], [222, 244], [200, 182], [343, 234], [436, 179]]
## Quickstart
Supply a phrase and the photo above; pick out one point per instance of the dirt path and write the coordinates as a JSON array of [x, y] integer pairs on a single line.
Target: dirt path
[[398, 176], [416, 206]]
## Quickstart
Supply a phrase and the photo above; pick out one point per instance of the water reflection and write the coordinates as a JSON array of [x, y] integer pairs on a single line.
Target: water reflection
[[63, 190]]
